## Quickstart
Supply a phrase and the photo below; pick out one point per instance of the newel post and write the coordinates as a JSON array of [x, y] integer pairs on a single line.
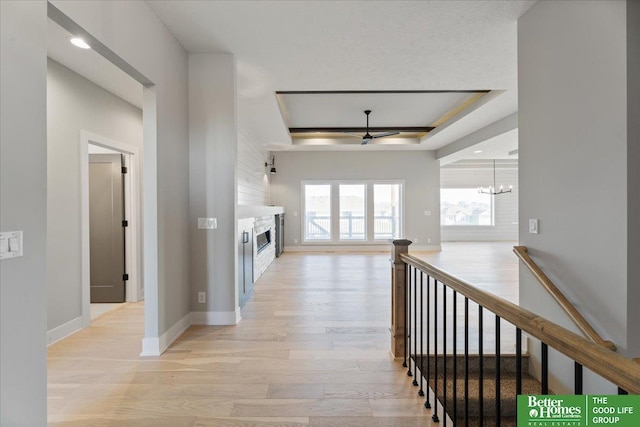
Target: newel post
[[398, 297]]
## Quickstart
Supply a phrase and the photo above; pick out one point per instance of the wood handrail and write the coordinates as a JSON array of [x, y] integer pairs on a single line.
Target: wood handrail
[[623, 372], [523, 253]]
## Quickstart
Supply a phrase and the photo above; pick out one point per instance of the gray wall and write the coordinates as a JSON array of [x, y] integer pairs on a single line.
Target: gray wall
[[23, 186], [74, 104], [253, 176], [633, 175], [480, 174], [573, 164], [418, 169], [213, 149]]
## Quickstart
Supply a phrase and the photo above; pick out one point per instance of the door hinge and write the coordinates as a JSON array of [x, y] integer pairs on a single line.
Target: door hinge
[[125, 223], [124, 169], [125, 277]]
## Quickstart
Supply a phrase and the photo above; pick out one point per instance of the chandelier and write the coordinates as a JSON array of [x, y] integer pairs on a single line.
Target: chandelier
[[492, 190]]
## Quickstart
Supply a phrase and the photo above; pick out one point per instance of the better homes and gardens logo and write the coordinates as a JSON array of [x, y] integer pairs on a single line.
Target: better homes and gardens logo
[[578, 411]]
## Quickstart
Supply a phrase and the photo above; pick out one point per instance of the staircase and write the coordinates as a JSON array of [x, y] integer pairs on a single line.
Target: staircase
[[508, 404]]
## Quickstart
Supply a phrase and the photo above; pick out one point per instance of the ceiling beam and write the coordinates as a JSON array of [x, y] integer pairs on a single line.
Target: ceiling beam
[[362, 129], [347, 92]]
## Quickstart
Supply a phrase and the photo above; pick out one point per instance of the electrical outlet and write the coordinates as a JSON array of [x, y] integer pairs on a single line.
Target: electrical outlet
[[202, 297], [415, 240], [429, 240], [427, 213], [295, 241], [295, 213]]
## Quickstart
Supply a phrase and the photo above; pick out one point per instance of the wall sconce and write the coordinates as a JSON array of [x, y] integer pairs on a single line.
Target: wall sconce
[[272, 164]]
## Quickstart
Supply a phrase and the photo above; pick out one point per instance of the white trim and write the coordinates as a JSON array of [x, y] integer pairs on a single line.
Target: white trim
[[132, 206], [216, 317], [363, 248], [64, 330], [157, 346]]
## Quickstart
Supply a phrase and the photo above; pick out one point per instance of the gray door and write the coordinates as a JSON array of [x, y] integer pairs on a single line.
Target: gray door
[[106, 231]]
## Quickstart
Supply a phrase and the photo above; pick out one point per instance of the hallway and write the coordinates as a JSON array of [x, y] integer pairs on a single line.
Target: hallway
[[312, 349]]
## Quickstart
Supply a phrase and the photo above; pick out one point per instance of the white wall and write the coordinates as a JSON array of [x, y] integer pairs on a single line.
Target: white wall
[[253, 177], [573, 146], [475, 175], [74, 104], [23, 206], [418, 169]]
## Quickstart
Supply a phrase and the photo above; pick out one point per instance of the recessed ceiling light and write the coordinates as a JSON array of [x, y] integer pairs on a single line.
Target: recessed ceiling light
[[78, 42], [477, 152]]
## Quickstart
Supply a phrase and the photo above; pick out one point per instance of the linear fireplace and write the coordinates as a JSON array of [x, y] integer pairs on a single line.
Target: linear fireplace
[[263, 240]]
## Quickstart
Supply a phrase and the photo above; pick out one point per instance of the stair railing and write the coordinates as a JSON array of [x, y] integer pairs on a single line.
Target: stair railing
[[523, 253], [426, 303]]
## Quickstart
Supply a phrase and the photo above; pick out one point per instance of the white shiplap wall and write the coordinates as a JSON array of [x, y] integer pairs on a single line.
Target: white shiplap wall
[[506, 205], [253, 180]]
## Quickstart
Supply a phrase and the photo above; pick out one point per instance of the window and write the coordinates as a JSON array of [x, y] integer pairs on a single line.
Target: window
[[353, 222], [465, 206], [386, 207], [351, 211], [317, 212]]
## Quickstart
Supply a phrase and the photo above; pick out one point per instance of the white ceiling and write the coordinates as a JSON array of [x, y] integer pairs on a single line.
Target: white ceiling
[[503, 146], [91, 66], [356, 45], [342, 45]]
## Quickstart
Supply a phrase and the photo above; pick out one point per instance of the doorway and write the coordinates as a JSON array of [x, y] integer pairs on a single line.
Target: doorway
[[111, 238]]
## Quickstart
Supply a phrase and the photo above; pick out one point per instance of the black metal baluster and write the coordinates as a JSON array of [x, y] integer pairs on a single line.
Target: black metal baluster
[[518, 361], [498, 415], [415, 327], [545, 369], [480, 365], [409, 329], [577, 388], [455, 357], [421, 391], [466, 362], [407, 273], [427, 403], [444, 354], [434, 417]]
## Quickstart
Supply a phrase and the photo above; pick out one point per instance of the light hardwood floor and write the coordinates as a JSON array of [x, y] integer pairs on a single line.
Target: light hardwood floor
[[312, 349]]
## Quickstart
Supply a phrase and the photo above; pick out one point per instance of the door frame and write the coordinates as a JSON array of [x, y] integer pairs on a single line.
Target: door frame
[[133, 236]]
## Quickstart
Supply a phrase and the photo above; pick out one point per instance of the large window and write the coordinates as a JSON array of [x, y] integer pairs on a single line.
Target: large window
[[317, 213], [465, 206], [386, 209], [351, 211], [353, 222]]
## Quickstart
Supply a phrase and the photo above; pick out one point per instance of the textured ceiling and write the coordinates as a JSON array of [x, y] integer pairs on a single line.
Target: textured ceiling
[[356, 45]]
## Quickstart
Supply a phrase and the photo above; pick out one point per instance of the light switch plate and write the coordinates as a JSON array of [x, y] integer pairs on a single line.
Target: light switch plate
[[207, 223], [533, 226], [10, 244]]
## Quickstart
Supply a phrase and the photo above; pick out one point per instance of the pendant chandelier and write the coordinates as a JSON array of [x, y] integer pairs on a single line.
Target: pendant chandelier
[[492, 190]]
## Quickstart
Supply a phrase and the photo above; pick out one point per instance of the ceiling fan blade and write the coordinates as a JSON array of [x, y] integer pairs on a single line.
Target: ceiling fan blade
[[382, 135], [353, 134]]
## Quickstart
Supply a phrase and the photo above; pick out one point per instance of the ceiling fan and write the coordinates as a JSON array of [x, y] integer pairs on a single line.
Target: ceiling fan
[[367, 138]]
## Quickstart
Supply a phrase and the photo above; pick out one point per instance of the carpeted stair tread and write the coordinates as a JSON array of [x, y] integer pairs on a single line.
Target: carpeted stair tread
[[508, 402]]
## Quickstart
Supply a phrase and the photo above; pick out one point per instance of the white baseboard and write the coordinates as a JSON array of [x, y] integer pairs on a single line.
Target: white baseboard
[[156, 346], [64, 330], [215, 317], [338, 248]]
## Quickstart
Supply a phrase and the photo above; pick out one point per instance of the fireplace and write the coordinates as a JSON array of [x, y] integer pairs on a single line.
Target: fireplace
[[263, 240]]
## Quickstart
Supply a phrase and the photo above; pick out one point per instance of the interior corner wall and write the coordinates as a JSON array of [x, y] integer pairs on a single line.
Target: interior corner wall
[[74, 104], [505, 228], [23, 197], [419, 170], [572, 74], [253, 178], [136, 35]]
